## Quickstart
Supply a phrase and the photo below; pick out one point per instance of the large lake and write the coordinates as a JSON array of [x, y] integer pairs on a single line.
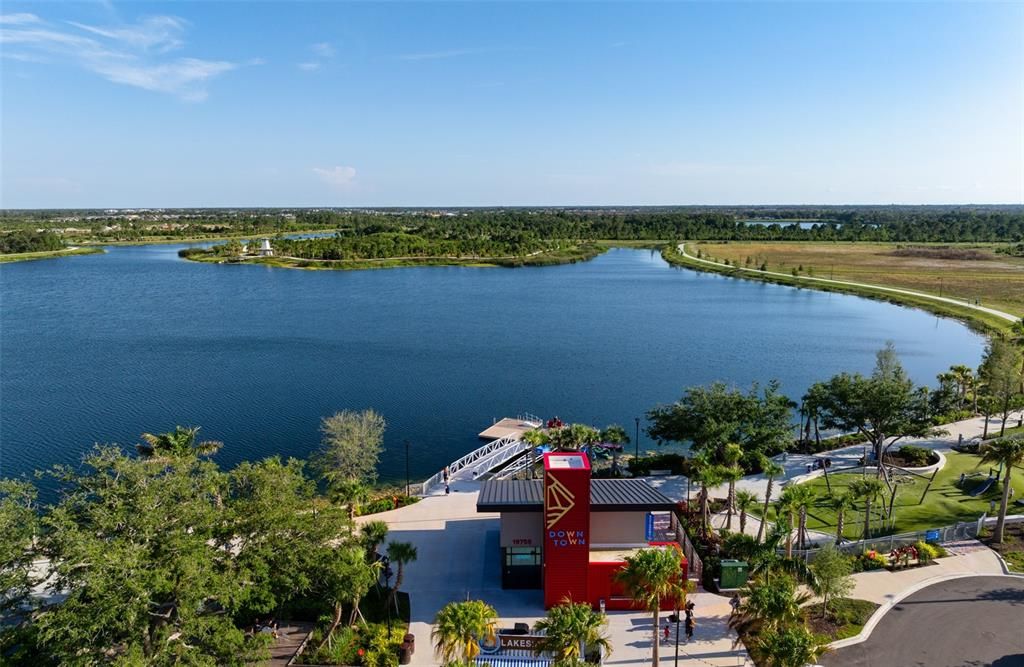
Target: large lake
[[100, 348]]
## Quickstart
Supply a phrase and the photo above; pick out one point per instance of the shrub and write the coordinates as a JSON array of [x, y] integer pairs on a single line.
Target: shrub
[[926, 553], [916, 456], [676, 463], [872, 560]]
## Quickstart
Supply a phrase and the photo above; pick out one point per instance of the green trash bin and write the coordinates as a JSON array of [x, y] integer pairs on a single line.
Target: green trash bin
[[734, 574]]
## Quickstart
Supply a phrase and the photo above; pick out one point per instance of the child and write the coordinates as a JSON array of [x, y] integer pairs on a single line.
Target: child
[[665, 634]]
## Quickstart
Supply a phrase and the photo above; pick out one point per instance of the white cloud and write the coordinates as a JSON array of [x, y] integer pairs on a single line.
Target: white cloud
[[18, 19], [309, 67], [159, 33], [131, 54], [336, 177], [322, 49]]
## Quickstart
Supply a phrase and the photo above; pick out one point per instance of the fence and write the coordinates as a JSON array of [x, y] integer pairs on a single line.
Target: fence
[[964, 530], [692, 558]]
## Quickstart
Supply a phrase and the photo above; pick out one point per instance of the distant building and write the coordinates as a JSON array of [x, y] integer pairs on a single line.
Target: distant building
[[265, 249]]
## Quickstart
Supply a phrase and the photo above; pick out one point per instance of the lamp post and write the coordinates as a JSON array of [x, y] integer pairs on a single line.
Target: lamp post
[[677, 633], [406, 468], [636, 440]]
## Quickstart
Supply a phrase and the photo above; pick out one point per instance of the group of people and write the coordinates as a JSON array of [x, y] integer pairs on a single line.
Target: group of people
[[688, 625], [269, 627]]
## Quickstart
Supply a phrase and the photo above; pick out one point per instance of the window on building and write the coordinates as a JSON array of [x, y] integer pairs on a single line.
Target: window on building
[[522, 556]]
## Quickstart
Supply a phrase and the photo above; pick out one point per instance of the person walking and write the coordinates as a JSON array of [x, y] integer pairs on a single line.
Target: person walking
[[690, 623], [665, 633]]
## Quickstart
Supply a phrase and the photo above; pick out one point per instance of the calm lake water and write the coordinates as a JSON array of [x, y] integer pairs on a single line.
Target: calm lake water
[[100, 348]]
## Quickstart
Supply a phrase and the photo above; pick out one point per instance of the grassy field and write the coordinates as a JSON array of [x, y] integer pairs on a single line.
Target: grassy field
[[969, 272], [945, 504], [49, 254]]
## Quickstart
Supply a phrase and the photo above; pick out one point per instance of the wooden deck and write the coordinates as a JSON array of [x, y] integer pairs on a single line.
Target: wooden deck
[[509, 426], [289, 639]]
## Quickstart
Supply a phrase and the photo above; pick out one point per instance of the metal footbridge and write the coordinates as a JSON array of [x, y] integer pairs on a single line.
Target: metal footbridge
[[498, 459]]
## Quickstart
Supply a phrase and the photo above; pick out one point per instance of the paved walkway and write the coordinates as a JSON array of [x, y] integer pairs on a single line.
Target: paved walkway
[[962, 303]]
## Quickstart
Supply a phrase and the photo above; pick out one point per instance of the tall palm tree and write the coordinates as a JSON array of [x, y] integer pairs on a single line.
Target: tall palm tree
[[964, 378], [571, 627], [708, 476], [772, 471], [400, 553], [731, 473], [866, 489], [745, 501], [372, 534], [614, 434], [841, 504], [801, 498], [459, 627], [177, 444], [650, 576], [350, 492], [784, 510], [536, 438], [1007, 452]]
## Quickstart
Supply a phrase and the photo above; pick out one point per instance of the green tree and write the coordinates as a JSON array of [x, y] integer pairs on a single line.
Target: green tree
[[1000, 374], [884, 408], [614, 434], [400, 553], [650, 576], [1007, 452], [832, 569], [708, 476], [731, 473], [745, 501], [841, 504], [866, 490], [135, 549], [536, 438], [792, 646], [569, 629], [176, 444], [372, 534], [709, 418], [351, 446], [772, 471], [768, 605], [346, 577], [459, 627], [18, 525]]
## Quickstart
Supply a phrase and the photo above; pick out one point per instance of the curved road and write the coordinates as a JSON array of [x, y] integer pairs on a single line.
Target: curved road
[[970, 621], [828, 281]]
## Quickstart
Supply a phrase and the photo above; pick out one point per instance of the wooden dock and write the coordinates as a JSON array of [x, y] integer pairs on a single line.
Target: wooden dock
[[290, 636], [511, 426]]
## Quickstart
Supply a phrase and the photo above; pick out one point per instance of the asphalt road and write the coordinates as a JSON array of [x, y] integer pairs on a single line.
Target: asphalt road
[[970, 621]]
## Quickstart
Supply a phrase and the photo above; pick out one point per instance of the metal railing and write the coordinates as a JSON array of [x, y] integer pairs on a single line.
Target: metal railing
[[487, 454], [692, 557]]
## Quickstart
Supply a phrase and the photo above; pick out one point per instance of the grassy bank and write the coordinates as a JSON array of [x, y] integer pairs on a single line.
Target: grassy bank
[[946, 503], [979, 320], [578, 253], [48, 254]]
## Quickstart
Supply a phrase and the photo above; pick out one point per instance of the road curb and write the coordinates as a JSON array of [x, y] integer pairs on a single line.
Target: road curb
[[876, 617]]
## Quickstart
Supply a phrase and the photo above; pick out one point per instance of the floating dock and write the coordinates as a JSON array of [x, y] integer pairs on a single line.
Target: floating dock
[[511, 427]]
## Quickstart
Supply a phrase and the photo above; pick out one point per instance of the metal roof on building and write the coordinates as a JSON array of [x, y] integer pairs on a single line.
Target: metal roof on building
[[606, 495]]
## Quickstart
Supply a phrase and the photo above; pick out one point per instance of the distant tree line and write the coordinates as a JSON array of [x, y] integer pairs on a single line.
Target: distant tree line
[[919, 224], [29, 241]]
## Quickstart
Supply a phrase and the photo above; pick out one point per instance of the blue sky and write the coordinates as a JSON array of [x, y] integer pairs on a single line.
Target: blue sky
[[343, 104]]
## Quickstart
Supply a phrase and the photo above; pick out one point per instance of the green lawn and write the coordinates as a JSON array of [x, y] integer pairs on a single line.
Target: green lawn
[[945, 504]]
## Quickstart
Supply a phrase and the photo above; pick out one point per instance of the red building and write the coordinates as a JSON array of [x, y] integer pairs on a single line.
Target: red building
[[569, 534]]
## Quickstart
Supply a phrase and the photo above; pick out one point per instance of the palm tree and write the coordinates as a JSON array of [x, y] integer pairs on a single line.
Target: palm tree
[[614, 434], [745, 501], [867, 489], [372, 534], [708, 476], [459, 627], [841, 504], [571, 627], [765, 559], [400, 553], [535, 438], [964, 378], [767, 606], [784, 510], [801, 498], [177, 444], [1007, 452], [772, 471], [731, 473], [351, 493], [650, 576]]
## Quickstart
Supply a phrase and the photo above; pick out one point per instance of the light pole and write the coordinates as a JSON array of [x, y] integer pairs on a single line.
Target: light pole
[[677, 633], [636, 440], [406, 468], [940, 287]]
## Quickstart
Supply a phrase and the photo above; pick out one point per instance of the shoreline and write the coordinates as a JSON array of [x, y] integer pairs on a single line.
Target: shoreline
[[985, 321], [50, 254], [581, 253]]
